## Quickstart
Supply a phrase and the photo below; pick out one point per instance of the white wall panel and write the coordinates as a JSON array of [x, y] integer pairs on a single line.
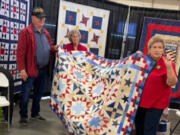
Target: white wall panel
[[159, 4]]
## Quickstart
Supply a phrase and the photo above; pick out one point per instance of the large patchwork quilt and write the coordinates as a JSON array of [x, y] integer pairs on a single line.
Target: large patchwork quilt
[[91, 22], [14, 16], [97, 96]]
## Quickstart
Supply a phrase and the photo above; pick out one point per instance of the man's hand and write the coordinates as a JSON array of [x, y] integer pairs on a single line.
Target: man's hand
[[138, 51], [23, 75], [56, 47]]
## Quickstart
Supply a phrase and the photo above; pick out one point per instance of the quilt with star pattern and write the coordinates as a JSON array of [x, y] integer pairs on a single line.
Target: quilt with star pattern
[[93, 95], [14, 16], [91, 22]]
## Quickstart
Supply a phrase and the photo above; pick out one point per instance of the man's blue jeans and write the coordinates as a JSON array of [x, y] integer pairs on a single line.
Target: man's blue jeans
[[37, 84]]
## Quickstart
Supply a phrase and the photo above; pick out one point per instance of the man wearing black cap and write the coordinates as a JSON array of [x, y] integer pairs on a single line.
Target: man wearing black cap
[[33, 51]]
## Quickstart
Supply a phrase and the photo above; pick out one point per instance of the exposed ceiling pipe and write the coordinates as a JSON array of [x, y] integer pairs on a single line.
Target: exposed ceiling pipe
[[125, 32], [152, 2]]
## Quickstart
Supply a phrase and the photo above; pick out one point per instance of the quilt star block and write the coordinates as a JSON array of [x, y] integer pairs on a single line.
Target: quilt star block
[[98, 96]]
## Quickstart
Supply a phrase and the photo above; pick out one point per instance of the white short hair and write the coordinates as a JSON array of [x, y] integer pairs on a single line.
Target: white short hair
[[155, 39], [72, 32]]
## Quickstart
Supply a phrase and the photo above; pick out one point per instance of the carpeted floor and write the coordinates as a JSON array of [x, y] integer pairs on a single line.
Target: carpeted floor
[[53, 126]]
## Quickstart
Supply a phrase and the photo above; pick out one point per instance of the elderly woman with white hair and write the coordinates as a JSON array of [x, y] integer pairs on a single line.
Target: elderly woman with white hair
[[74, 37], [156, 92]]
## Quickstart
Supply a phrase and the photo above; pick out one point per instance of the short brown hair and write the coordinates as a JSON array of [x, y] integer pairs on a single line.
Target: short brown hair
[[155, 39]]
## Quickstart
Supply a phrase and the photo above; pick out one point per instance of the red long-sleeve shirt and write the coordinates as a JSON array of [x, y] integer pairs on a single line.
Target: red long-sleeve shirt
[[70, 47]]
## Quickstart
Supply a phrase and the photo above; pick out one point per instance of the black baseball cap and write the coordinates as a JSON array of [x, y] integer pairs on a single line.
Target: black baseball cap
[[38, 12]]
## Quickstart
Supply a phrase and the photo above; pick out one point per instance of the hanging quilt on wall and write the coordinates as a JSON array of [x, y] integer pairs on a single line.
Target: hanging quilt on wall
[[91, 22], [169, 30], [97, 96], [14, 16]]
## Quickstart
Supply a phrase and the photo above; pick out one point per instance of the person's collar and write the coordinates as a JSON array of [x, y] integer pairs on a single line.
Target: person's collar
[[75, 45], [35, 29]]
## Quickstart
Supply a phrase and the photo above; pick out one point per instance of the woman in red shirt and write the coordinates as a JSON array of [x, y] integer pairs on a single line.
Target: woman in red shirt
[[156, 92], [74, 37]]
